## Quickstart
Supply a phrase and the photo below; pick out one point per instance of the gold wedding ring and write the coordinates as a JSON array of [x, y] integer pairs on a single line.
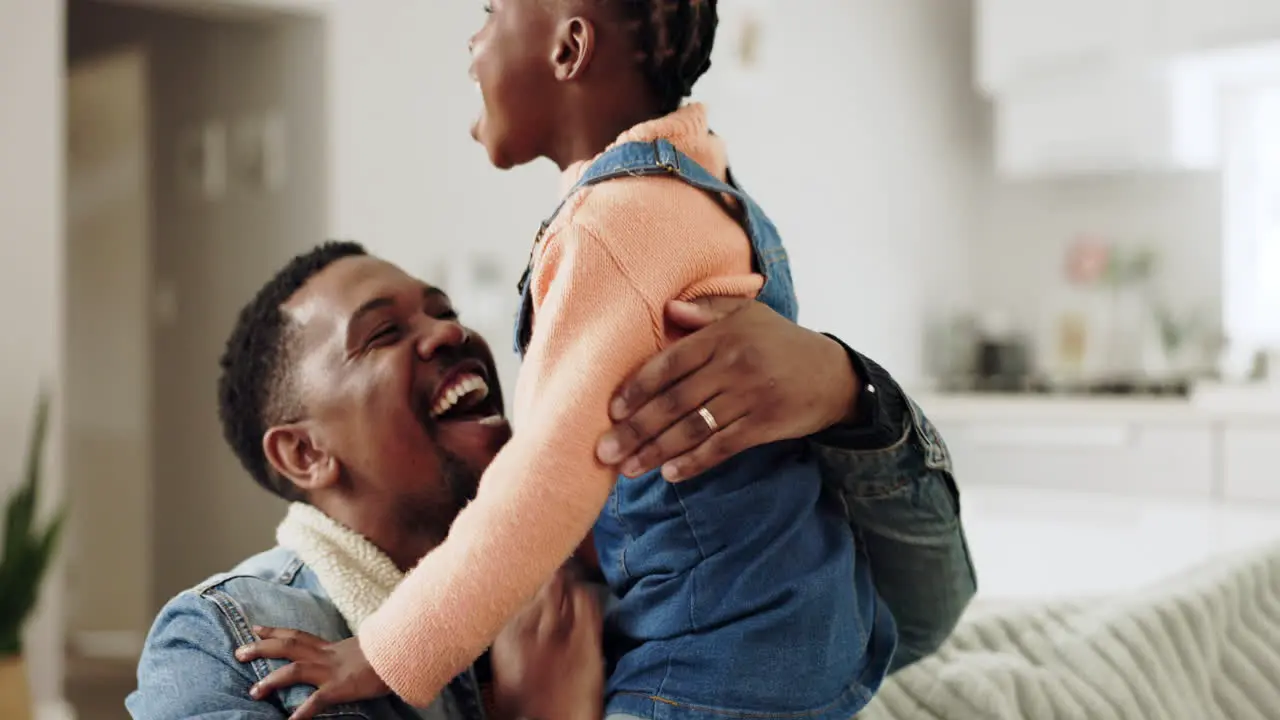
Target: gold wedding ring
[[709, 419]]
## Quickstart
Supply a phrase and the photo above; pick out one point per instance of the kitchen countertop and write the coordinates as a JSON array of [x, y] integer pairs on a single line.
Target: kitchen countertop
[[951, 407], [1208, 405]]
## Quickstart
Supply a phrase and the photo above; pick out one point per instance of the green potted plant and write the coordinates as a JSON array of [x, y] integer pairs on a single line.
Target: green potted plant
[[25, 556]]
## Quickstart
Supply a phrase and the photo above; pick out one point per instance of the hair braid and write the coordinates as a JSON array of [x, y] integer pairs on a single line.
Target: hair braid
[[676, 38]]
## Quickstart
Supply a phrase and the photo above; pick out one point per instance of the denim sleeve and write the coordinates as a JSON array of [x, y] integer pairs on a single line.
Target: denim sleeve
[[904, 507], [188, 670], [881, 415]]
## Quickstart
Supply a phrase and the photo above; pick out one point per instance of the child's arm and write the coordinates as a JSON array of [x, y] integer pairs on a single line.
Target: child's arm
[[545, 489]]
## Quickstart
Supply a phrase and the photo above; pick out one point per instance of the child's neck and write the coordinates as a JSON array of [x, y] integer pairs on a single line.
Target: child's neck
[[587, 132]]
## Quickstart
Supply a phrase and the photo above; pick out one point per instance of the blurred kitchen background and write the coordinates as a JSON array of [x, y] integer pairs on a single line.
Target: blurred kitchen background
[[1056, 221]]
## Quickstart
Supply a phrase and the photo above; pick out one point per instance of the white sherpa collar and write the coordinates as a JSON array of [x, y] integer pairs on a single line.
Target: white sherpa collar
[[355, 574]]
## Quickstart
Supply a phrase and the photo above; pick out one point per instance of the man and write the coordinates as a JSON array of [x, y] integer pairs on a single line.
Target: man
[[329, 383]]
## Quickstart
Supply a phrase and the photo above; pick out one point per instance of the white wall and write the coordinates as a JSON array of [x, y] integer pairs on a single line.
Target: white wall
[[30, 263], [407, 180], [862, 137]]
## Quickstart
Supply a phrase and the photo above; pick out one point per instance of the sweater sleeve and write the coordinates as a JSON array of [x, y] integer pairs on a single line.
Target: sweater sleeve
[[544, 490]]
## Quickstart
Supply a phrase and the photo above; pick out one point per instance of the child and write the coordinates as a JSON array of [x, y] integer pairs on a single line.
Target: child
[[741, 592]]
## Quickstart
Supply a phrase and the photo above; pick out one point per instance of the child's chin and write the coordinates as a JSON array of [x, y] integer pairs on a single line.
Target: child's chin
[[490, 148], [499, 158], [497, 147]]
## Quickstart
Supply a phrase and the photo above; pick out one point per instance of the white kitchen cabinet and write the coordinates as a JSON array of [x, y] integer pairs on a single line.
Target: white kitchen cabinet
[[1021, 41], [1174, 459], [1142, 118], [1197, 25], [1086, 87], [1249, 454]]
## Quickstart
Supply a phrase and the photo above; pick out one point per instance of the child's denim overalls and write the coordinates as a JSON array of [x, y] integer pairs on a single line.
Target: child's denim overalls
[[740, 592]]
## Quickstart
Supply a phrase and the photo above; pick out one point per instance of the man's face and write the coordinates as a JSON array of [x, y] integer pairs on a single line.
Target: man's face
[[398, 397]]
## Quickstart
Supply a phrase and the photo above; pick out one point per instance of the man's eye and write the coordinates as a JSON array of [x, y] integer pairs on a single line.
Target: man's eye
[[384, 335]]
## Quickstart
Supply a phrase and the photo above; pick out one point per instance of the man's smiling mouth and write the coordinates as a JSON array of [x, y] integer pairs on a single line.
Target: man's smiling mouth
[[463, 396]]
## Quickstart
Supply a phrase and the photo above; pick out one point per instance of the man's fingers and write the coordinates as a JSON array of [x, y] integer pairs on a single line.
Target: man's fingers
[[729, 441], [697, 314], [656, 419], [685, 433], [550, 606], [586, 608], [288, 676], [583, 622], [656, 377], [660, 371]]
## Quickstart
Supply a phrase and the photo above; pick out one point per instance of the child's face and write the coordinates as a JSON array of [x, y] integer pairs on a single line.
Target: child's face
[[512, 63]]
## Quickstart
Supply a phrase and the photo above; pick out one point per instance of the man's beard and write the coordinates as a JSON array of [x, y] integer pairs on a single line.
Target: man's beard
[[461, 480], [435, 510]]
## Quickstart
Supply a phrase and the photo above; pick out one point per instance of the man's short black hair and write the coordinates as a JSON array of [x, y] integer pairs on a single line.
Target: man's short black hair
[[254, 389]]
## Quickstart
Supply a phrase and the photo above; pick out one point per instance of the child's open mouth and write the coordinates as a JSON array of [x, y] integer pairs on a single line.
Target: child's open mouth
[[475, 125]]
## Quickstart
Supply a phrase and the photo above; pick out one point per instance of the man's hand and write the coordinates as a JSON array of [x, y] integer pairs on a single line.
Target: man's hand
[[761, 377], [547, 662], [339, 671]]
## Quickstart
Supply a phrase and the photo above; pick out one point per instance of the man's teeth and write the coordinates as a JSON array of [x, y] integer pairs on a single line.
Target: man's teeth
[[461, 388]]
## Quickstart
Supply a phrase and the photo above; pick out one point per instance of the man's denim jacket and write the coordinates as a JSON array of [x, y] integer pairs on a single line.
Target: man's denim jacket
[[189, 671], [904, 506], [902, 502]]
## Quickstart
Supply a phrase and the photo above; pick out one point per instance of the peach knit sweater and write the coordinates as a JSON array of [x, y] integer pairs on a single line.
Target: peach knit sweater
[[602, 274]]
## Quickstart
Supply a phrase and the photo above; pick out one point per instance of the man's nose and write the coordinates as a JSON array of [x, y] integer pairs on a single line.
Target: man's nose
[[435, 335]]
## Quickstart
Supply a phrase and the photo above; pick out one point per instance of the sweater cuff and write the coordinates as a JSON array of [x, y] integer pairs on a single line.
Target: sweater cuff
[[880, 416]]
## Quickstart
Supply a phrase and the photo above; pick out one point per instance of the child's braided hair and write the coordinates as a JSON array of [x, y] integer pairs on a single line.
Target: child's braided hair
[[676, 37]]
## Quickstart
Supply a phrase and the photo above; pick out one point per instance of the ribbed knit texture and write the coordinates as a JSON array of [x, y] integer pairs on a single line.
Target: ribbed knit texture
[[608, 264]]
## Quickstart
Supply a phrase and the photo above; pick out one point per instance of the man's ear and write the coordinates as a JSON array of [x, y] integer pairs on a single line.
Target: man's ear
[[574, 47], [294, 453]]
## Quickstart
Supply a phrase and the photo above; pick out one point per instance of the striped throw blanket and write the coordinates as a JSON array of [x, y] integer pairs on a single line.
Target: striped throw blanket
[[1200, 646]]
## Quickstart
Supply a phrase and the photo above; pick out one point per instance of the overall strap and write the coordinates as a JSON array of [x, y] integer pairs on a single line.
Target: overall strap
[[644, 159]]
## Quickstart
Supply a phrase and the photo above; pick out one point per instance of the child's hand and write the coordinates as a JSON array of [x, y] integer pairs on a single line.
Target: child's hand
[[338, 670], [547, 662]]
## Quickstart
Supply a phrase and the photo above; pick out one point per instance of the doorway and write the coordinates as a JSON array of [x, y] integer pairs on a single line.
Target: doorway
[[196, 161], [108, 362]]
